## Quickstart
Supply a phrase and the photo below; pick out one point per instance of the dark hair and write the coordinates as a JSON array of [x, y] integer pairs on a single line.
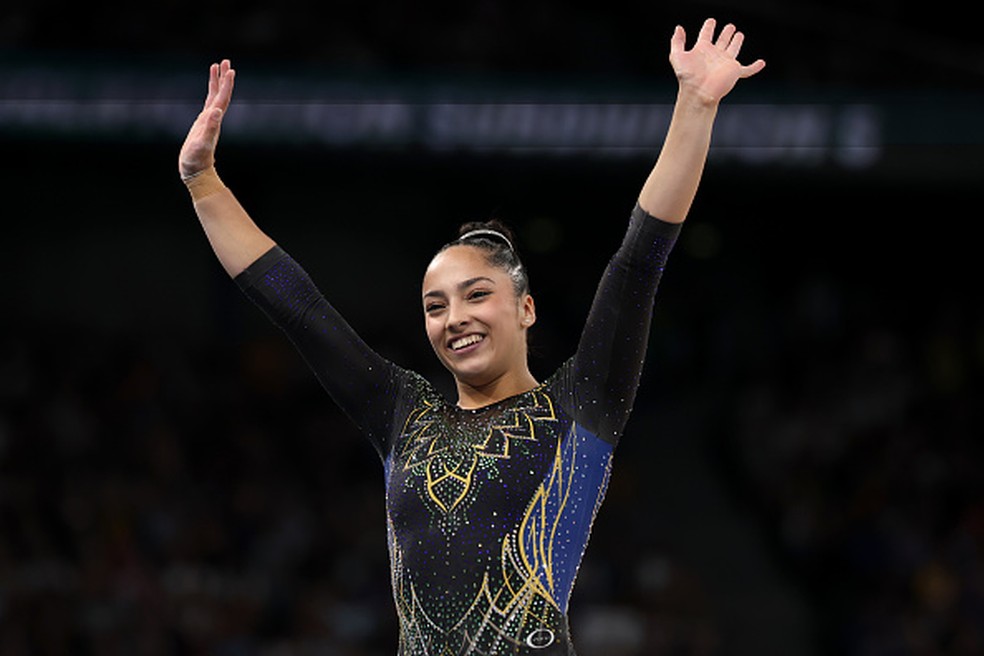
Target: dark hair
[[497, 241]]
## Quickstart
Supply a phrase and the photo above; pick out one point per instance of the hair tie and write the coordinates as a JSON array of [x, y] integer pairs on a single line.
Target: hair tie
[[487, 233]]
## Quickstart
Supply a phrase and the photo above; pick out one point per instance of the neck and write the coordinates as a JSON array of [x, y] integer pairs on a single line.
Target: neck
[[471, 396]]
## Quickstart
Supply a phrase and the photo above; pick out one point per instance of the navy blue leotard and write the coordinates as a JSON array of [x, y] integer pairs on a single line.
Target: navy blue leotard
[[488, 510]]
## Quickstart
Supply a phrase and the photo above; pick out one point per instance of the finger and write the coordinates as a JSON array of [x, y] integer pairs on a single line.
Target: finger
[[707, 30], [224, 94], [216, 76], [678, 41], [213, 83], [735, 46], [752, 69], [724, 39]]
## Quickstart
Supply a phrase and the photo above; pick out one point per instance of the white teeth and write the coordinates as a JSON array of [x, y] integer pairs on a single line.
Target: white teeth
[[465, 341]]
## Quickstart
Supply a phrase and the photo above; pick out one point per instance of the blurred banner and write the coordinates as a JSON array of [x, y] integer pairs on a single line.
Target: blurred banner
[[441, 116]]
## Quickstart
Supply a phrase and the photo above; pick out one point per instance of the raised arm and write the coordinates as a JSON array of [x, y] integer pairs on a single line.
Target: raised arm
[[235, 238], [360, 381], [705, 73], [607, 367]]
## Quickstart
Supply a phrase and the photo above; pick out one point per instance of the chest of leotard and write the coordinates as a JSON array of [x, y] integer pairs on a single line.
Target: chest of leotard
[[461, 480]]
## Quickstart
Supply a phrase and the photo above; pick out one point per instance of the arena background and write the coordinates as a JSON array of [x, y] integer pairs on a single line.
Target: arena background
[[801, 474]]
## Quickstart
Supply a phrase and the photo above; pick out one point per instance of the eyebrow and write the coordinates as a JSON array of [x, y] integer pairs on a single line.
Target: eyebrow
[[464, 284]]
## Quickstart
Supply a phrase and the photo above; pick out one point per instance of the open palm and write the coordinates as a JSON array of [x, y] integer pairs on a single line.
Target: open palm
[[198, 150], [711, 67]]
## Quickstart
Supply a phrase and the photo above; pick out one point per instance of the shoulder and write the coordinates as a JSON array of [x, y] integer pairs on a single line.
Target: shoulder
[[561, 384], [410, 391]]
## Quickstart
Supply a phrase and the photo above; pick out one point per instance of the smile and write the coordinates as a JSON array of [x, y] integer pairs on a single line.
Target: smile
[[462, 342]]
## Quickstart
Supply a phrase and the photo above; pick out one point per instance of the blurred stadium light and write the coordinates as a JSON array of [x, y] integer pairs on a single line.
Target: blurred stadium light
[[42, 102]]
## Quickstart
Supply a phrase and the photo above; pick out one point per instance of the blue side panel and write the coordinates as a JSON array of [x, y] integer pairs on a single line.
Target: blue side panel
[[557, 525]]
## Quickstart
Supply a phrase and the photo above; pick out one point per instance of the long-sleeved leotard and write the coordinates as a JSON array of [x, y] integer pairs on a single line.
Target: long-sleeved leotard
[[488, 510]]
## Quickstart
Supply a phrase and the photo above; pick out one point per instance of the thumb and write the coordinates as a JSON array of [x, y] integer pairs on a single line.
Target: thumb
[[678, 40], [753, 68], [212, 124]]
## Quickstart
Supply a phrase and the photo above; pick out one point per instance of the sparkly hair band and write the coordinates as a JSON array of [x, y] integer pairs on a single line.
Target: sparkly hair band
[[485, 232]]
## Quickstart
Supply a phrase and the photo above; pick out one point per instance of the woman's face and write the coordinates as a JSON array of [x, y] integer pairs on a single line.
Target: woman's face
[[474, 320]]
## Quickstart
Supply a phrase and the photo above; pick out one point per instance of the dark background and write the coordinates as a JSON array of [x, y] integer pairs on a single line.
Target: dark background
[[801, 474]]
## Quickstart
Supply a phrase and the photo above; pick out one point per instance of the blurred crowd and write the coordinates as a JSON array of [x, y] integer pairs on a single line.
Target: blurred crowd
[[159, 498], [857, 437]]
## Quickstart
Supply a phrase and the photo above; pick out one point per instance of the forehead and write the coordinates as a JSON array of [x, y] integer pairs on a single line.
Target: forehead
[[459, 263]]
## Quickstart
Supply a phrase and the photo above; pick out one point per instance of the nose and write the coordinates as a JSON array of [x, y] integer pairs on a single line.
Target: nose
[[457, 316]]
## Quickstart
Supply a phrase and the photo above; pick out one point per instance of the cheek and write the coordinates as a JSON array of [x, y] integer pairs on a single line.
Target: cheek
[[503, 320]]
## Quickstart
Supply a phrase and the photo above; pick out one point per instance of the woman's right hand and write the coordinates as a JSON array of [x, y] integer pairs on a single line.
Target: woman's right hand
[[198, 150]]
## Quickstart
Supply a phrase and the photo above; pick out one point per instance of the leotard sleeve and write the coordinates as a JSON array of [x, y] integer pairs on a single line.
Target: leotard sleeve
[[601, 379], [363, 384]]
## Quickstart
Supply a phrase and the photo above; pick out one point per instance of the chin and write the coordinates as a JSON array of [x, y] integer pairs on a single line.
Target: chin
[[474, 376]]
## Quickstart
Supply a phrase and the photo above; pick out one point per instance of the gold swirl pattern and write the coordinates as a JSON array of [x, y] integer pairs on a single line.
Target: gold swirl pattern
[[522, 609], [448, 462]]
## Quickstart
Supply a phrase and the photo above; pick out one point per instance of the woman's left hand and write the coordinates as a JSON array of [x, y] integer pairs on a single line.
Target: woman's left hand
[[711, 68]]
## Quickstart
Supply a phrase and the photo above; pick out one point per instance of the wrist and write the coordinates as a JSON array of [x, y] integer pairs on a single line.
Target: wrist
[[203, 183], [694, 100]]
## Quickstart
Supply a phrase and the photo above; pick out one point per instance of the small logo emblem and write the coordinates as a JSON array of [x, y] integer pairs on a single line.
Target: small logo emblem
[[540, 639]]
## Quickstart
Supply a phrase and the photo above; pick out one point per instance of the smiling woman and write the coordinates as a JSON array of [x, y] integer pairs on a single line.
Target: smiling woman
[[490, 498], [477, 309]]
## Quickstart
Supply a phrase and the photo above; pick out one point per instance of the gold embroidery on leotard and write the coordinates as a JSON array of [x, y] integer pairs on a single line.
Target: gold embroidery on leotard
[[448, 461]]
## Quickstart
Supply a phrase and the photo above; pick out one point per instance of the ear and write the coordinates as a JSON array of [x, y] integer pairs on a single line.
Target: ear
[[527, 311]]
